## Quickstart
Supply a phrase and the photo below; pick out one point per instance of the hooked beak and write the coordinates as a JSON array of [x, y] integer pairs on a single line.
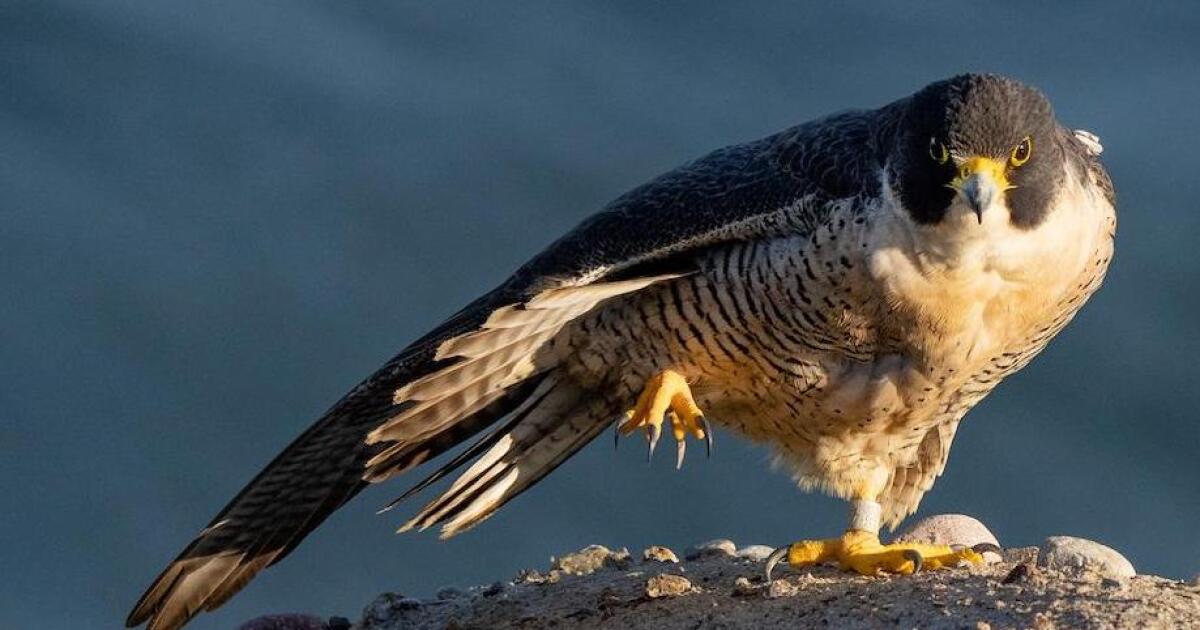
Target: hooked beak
[[980, 181]]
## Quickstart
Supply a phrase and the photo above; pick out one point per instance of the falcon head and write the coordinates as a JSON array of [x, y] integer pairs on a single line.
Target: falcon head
[[977, 147]]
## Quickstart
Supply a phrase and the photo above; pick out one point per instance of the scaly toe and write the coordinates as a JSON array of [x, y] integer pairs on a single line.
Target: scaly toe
[[667, 395]]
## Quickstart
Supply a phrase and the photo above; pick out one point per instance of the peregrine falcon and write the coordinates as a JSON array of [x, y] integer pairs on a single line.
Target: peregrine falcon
[[843, 291]]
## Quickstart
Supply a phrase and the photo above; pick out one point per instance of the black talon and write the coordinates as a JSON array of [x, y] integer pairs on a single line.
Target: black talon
[[617, 434], [914, 556], [776, 556], [680, 448], [655, 433], [708, 436], [985, 547]]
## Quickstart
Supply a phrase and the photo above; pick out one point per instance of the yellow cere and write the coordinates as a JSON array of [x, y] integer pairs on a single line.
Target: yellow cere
[[996, 169]]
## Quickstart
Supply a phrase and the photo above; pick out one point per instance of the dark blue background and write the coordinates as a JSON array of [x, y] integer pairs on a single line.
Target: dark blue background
[[216, 217]]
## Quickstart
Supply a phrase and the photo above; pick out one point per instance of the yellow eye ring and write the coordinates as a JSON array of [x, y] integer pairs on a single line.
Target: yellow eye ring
[[1022, 152], [938, 151]]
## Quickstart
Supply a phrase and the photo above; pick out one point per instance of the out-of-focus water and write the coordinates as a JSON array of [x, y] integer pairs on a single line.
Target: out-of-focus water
[[216, 217]]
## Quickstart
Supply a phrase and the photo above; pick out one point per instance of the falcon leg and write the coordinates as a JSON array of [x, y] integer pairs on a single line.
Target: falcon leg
[[859, 549], [667, 394]]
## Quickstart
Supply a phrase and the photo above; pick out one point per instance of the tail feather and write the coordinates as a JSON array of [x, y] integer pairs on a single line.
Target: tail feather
[[403, 456], [556, 427], [535, 397]]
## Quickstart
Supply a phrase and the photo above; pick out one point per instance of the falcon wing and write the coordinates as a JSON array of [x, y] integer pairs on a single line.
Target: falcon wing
[[483, 363]]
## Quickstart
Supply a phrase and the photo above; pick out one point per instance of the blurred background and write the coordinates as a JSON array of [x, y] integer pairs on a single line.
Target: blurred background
[[216, 217]]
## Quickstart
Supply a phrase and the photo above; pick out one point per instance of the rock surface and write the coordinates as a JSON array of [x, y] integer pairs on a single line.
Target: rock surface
[[1067, 583], [1075, 555], [719, 590], [292, 621]]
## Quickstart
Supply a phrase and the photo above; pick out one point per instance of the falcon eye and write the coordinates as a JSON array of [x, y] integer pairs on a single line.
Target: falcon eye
[[1021, 152], [938, 151]]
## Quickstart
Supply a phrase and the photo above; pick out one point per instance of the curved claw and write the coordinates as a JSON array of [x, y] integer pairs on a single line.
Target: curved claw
[[708, 436], [655, 432], [914, 556], [680, 449], [777, 556], [985, 547]]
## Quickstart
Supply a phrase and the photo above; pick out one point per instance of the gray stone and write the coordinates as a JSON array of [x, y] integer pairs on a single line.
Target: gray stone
[[719, 546], [757, 553], [1077, 555], [950, 529]]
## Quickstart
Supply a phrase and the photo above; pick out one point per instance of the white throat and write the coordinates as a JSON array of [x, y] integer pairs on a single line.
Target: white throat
[[972, 278]]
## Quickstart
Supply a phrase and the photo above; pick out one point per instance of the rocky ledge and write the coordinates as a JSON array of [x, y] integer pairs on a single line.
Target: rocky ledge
[[1065, 583]]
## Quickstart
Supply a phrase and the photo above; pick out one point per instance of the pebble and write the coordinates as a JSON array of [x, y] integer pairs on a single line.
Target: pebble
[[719, 546], [781, 588], [291, 621], [1019, 574], [742, 587], [659, 554], [951, 529], [338, 623], [1079, 554], [667, 585], [591, 559], [757, 553]]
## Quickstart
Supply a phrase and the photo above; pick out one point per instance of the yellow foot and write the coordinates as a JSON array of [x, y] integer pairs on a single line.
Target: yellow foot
[[667, 394], [862, 552]]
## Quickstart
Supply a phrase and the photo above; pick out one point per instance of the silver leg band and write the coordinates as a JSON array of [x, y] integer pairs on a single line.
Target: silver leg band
[[865, 516]]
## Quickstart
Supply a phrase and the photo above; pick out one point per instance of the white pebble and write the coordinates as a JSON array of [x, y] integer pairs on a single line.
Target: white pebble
[[1078, 554], [757, 553], [950, 529], [720, 546]]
